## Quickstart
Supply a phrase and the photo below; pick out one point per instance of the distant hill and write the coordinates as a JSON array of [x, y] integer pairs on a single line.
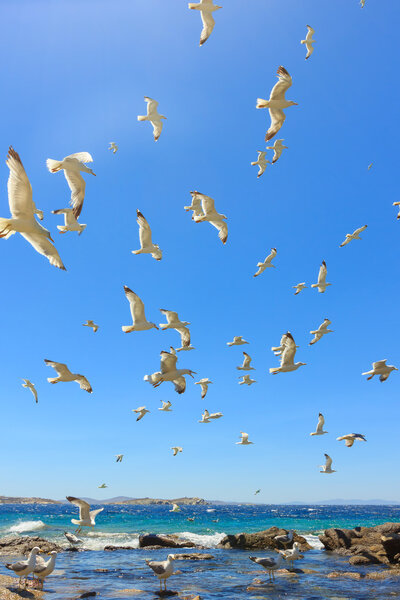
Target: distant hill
[[16, 500], [144, 501], [344, 502]]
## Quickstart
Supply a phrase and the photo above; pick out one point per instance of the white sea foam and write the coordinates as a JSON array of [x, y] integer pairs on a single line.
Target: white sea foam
[[97, 540], [25, 526], [210, 540], [314, 541]]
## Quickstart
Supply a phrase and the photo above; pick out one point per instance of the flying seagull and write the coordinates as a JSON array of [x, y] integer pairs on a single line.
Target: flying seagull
[[246, 380], [321, 285], [195, 206], [174, 322], [261, 162], [237, 341], [210, 214], [162, 569], [146, 243], [397, 204], [70, 221], [206, 8], [23, 210], [327, 467], [91, 324], [362, 3], [23, 568], [269, 564], [287, 356], [139, 321], [299, 287], [176, 449], [350, 438], [277, 350], [169, 372], [203, 383], [113, 146], [380, 368], [175, 508], [72, 166], [309, 41], [257, 492], [278, 148], [166, 406], [153, 116], [246, 363], [267, 262], [87, 517], [72, 538], [31, 386], [207, 417], [277, 102], [320, 426], [353, 236], [102, 486], [244, 439], [64, 375], [141, 411], [119, 457], [321, 331]]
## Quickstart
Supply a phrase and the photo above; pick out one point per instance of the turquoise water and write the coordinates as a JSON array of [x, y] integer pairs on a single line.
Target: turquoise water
[[227, 576]]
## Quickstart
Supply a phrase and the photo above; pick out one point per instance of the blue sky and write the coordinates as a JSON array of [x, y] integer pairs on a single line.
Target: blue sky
[[74, 75]]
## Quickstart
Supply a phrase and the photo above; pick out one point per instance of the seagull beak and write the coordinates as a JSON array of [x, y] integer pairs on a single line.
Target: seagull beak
[[94, 174]]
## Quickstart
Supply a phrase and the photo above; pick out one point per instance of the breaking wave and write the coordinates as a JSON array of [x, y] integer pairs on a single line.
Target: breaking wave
[[25, 526]]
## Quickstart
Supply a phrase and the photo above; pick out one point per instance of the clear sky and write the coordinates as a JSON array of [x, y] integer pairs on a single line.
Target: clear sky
[[74, 74]]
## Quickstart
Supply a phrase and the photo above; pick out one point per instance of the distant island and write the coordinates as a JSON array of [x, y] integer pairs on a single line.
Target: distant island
[[15, 500], [148, 501]]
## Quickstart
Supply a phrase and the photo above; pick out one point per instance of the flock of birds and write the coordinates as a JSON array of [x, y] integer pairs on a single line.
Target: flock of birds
[[23, 220]]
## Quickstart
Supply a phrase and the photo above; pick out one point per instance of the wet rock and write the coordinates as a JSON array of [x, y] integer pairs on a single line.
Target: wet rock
[[164, 541], [87, 595], [194, 556], [101, 571], [261, 540], [23, 545], [113, 548], [350, 574], [129, 592]]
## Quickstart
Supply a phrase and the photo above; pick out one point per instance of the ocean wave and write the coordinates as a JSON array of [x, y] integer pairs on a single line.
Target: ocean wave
[[97, 540], [25, 526], [314, 541], [210, 540]]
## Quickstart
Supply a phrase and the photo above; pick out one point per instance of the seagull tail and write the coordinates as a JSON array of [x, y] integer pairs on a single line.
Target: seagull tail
[[262, 103], [142, 118], [6, 228], [127, 328], [275, 370], [314, 285], [53, 165]]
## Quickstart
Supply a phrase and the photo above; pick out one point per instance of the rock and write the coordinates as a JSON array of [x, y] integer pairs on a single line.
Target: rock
[[360, 560], [261, 540], [164, 541], [113, 548], [22, 545], [101, 570], [350, 574], [87, 595], [194, 556]]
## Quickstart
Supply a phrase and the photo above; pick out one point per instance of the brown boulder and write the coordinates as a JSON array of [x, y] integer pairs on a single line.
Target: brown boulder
[[164, 541], [23, 545], [261, 540]]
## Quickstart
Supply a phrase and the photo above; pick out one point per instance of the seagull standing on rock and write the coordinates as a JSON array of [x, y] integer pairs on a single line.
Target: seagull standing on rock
[[277, 102], [269, 564], [163, 569], [23, 568]]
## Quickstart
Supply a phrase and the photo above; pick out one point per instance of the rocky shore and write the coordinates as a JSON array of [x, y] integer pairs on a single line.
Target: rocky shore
[[262, 540]]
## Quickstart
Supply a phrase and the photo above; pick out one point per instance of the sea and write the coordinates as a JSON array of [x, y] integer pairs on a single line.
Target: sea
[[228, 575]]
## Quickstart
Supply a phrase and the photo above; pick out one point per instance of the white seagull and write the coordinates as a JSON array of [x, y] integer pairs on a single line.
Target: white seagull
[[292, 554], [278, 148], [299, 287], [237, 341], [113, 146], [212, 216], [320, 426], [87, 517], [72, 538], [141, 411], [246, 380], [44, 568], [65, 375], [162, 569], [139, 321], [176, 449], [321, 331], [146, 243], [70, 221], [207, 417], [119, 457], [309, 41], [166, 406], [153, 116], [269, 564], [204, 383], [350, 438], [72, 166], [31, 386], [327, 467], [195, 206], [246, 363], [285, 538], [175, 508], [92, 324], [206, 8], [287, 356], [353, 236], [244, 440], [362, 3], [23, 568], [174, 322], [277, 102], [23, 210], [102, 486], [267, 263], [277, 350], [380, 368], [397, 204], [261, 162], [169, 372], [321, 285]]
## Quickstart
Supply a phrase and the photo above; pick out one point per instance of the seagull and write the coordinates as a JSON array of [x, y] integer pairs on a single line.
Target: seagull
[[142, 410], [321, 285], [292, 554], [321, 331], [320, 426], [269, 564], [237, 341], [72, 538], [70, 221], [87, 517], [166, 406], [246, 363], [277, 102], [350, 438], [287, 356], [203, 383], [169, 372], [91, 324], [380, 368], [244, 439], [43, 569], [212, 216], [246, 380], [285, 539], [174, 322], [362, 2], [31, 386], [72, 165], [277, 350], [371, 164], [139, 321], [113, 146], [119, 457], [102, 486], [146, 244], [64, 375], [261, 162], [175, 508], [397, 204], [162, 569], [327, 467], [206, 8], [267, 262], [23, 568], [309, 41], [278, 148], [207, 417], [153, 116], [195, 206], [257, 492], [22, 210], [299, 287], [353, 236], [176, 449], [191, 519]]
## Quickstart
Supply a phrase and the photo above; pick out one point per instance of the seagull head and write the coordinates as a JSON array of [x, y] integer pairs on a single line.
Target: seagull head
[[154, 325]]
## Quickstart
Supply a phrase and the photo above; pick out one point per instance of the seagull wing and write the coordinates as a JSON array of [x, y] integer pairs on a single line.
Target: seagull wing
[[144, 230], [360, 230], [277, 120], [270, 256], [83, 157], [185, 336], [328, 461], [136, 305], [42, 244], [289, 351], [93, 513], [322, 273], [222, 228], [19, 187], [321, 422], [77, 186], [208, 25], [170, 315], [84, 507], [60, 368], [246, 360], [207, 204], [168, 362], [245, 437], [379, 364], [151, 106], [284, 82], [84, 383]]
